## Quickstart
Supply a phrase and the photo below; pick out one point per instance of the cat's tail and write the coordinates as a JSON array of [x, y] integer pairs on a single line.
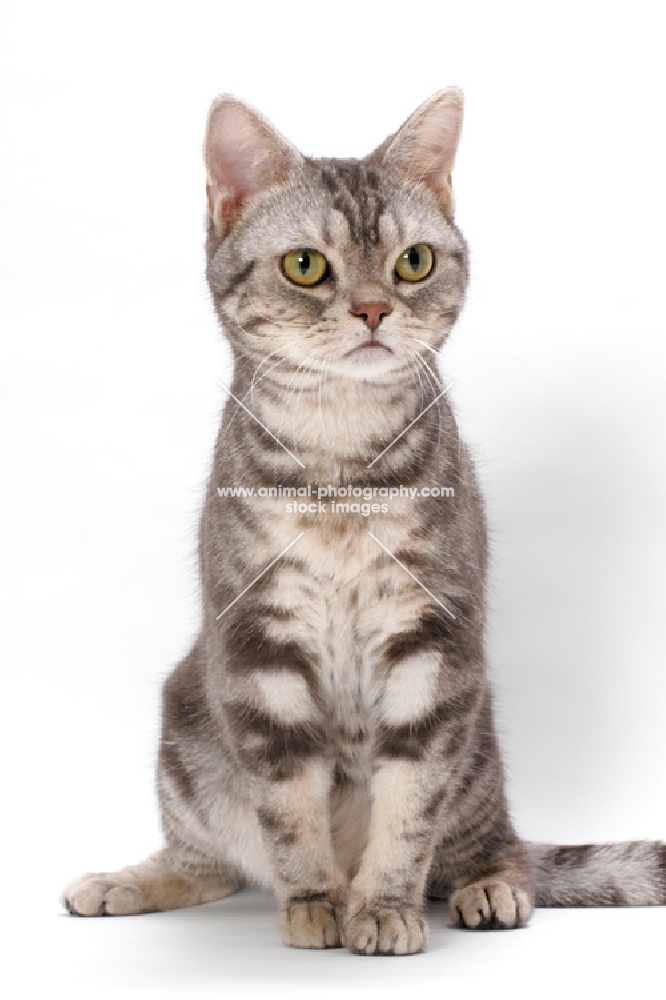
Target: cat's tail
[[632, 873]]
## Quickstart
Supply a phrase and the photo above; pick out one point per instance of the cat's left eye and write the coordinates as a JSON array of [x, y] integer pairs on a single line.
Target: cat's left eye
[[415, 263], [305, 267]]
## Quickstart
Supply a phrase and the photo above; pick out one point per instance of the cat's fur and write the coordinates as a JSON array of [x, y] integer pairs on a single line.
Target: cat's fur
[[331, 732]]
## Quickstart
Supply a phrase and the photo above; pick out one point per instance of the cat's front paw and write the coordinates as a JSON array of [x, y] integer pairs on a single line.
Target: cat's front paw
[[490, 905], [310, 924], [378, 929], [99, 895]]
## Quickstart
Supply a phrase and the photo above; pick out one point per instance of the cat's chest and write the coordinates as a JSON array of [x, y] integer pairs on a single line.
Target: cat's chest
[[345, 669], [344, 599], [350, 681], [359, 601]]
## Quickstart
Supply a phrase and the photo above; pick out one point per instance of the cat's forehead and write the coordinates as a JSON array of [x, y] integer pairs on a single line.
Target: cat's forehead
[[350, 204], [358, 192], [377, 204]]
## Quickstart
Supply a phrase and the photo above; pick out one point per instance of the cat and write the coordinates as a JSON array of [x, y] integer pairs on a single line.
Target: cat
[[330, 734]]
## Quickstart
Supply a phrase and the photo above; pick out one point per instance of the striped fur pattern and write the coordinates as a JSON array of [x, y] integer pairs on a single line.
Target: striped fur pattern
[[331, 735]]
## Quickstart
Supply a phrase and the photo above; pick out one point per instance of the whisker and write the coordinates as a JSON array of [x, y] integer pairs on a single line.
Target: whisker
[[436, 388], [411, 356], [436, 377], [287, 393], [322, 382], [474, 388], [298, 401], [286, 357]]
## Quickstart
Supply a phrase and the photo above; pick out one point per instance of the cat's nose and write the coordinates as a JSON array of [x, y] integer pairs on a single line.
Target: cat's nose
[[371, 313]]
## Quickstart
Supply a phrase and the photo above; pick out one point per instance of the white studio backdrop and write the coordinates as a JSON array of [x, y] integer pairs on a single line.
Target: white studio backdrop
[[111, 357]]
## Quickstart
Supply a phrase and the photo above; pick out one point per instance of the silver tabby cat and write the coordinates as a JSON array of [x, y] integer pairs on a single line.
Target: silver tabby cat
[[330, 735]]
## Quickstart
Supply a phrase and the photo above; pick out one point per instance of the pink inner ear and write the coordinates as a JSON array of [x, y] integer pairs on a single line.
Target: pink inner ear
[[244, 154], [425, 146], [437, 141], [234, 150]]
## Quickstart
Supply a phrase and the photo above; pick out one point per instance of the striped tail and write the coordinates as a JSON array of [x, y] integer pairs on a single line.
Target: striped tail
[[632, 873]]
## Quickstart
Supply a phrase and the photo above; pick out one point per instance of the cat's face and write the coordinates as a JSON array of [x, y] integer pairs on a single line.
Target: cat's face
[[348, 267]]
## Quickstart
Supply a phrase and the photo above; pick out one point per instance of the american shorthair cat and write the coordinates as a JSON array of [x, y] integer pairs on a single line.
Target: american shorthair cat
[[330, 734]]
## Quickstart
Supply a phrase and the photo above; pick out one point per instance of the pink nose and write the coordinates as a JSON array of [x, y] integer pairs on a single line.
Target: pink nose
[[372, 312]]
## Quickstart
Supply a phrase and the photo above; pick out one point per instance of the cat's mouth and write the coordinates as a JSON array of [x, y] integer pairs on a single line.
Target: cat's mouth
[[369, 347]]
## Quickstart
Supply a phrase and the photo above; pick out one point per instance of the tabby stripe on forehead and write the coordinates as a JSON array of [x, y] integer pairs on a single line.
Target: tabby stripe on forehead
[[354, 188]]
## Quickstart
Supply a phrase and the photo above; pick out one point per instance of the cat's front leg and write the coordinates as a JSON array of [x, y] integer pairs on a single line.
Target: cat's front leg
[[384, 911], [280, 742], [311, 891], [422, 727]]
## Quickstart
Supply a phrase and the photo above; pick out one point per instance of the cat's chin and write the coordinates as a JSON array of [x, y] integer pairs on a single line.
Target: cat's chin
[[365, 358], [372, 371], [370, 359]]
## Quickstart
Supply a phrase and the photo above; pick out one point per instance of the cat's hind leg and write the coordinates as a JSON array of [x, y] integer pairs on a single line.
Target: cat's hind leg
[[147, 887], [480, 863], [490, 884]]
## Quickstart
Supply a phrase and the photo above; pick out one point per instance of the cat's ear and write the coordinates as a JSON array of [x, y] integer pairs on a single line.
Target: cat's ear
[[424, 148], [244, 155]]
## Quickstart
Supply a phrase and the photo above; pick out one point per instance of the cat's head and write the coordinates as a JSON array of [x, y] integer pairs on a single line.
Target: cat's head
[[348, 266]]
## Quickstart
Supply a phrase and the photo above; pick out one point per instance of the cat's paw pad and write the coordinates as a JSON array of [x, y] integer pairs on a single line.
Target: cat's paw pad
[[309, 924], [489, 905], [384, 930], [98, 895]]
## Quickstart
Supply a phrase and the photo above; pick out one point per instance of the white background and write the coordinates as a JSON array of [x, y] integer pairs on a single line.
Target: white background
[[110, 361]]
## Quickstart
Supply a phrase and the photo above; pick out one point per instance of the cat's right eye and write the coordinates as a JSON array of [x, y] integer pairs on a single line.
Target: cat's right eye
[[305, 267]]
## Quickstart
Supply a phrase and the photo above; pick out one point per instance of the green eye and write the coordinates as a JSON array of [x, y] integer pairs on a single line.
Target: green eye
[[305, 267], [415, 263]]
